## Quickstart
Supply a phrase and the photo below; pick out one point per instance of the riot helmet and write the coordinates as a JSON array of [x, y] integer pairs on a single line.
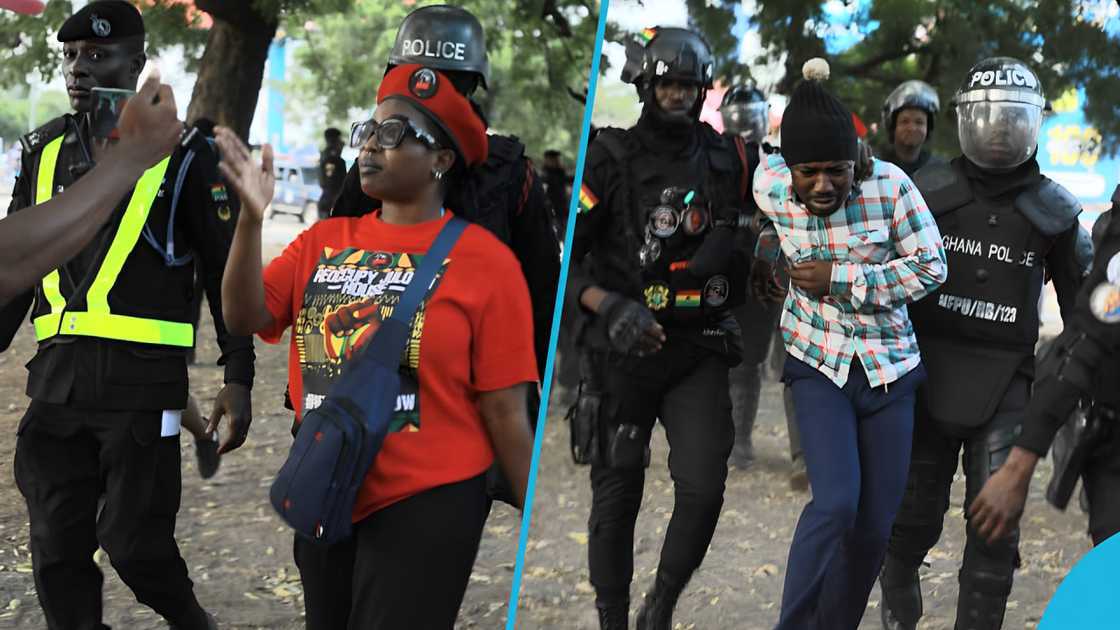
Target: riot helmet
[[910, 95], [745, 112], [668, 53], [999, 113], [443, 37]]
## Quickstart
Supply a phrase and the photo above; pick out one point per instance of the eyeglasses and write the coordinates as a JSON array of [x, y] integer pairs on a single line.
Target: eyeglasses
[[390, 133]]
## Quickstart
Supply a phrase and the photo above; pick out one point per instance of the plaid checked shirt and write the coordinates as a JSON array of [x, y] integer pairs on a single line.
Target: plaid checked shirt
[[887, 252]]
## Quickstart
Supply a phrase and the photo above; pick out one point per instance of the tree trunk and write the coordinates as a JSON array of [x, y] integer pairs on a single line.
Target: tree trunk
[[232, 66]]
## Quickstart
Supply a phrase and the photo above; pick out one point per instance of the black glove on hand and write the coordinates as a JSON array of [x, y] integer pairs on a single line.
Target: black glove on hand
[[628, 325]]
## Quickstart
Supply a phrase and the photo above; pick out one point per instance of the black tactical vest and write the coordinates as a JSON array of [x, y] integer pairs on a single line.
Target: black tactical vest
[[666, 284], [979, 327]]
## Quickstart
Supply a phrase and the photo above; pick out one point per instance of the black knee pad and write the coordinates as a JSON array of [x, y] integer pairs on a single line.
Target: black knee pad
[[920, 518]]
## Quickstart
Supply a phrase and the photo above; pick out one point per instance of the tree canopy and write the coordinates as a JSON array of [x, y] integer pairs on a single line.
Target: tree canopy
[[936, 41], [540, 54]]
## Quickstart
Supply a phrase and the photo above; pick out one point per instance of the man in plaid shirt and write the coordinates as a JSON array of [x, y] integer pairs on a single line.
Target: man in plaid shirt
[[859, 251]]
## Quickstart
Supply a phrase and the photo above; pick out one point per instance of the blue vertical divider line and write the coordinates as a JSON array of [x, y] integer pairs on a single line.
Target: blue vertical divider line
[[557, 309]]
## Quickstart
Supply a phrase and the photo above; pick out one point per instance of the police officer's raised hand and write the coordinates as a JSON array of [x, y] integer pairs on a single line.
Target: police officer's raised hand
[[235, 401], [149, 125], [996, 511], [812, 276], [254, 182]]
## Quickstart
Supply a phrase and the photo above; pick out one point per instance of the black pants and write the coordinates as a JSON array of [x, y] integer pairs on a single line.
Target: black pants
[[406, 566], [987, 570], [1102, 486], [686, 387], [759, 324], [66, 461]]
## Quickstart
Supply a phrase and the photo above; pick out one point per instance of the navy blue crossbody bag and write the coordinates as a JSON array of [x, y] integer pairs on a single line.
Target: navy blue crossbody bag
[[316, 488]]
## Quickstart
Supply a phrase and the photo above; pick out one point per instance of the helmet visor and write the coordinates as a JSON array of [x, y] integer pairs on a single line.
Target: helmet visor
[[749, 120], [998, 134]]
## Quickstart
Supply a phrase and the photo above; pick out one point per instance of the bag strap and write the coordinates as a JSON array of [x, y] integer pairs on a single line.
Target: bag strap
[[391, 337]]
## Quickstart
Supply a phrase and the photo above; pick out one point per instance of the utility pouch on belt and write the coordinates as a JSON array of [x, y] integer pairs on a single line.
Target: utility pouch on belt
[[336, 444], [1074, 444], [583, 422], [628, 448]]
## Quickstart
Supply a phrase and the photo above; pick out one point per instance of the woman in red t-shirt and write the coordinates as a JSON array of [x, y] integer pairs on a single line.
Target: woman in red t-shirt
[[420, 512]]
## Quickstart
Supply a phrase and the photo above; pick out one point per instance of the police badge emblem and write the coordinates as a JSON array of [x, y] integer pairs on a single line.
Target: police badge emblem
[[657, 297], [1104, 302], [1112, 271], [716, 291], [101, 27], [663, 221], [423, 83], [695, 220]]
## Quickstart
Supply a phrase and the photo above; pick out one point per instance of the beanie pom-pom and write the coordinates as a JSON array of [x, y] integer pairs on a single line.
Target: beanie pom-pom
[[816, 69]]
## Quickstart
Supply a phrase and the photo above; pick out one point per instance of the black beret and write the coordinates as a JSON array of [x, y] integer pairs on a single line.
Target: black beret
[[103, 19]]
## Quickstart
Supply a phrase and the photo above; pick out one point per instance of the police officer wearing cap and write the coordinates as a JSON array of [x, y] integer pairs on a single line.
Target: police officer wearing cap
[[503, 194], [1005, 228], [97, 457], [332, 171], [746, 115], [659, 206], [1083, 366], [908, 117]]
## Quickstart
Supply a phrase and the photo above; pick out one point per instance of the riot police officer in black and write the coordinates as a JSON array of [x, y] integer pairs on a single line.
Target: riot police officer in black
[[1083, 367], [98, 456], [908, 116], [505, 196], [745, 115], [332, 171], [659, 206], [1004, 227]]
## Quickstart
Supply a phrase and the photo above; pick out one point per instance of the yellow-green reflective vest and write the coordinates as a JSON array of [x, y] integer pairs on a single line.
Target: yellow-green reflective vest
[[97, 320]]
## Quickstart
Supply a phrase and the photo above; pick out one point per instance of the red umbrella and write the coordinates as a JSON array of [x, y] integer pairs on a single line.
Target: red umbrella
[[27, 7]]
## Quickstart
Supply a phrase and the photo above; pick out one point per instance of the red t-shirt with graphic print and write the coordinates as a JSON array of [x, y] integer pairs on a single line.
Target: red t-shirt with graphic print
[[472, 333]]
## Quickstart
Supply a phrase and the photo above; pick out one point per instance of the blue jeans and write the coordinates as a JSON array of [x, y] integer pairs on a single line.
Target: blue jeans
[[856, 440]]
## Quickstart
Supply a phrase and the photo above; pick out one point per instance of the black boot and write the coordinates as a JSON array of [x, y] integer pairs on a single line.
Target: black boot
[[614, 615], [657, 609], [902, 596]]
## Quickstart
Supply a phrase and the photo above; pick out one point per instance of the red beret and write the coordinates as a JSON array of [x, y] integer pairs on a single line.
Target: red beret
[[431, 92]]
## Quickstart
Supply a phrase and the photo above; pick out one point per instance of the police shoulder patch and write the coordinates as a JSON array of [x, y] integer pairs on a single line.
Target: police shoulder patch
[[38, 138], [1112, 270], [1104, 302]]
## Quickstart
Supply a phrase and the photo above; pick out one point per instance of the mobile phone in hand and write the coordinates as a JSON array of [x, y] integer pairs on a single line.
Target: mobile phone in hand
[[105, 111]]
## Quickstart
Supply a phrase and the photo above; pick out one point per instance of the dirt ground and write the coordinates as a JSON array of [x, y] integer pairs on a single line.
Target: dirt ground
[[740, 583], [238, 551]]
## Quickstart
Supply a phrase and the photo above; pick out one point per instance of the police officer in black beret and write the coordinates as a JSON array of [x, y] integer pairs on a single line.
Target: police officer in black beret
[[97, 457], [655, 273]]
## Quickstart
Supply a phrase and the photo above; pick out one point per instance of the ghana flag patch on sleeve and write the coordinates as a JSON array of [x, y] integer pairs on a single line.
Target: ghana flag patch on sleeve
[[587, 199], [688, 299]]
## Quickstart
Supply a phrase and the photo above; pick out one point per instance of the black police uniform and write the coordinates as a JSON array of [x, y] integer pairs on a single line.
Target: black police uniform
[[556, 181], [95, 428], [1084, 364], [925, 157], [758, 321], [685, 384], [504, 196], [332, 172], [1002, 233]]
